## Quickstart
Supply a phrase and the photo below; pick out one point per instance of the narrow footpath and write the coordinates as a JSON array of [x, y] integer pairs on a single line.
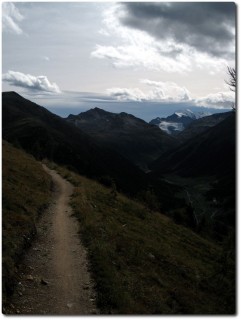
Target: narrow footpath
[[54, 276]]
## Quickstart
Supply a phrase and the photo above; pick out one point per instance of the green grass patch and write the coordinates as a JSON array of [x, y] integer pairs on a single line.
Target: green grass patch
[[25, 194], [144, 263]]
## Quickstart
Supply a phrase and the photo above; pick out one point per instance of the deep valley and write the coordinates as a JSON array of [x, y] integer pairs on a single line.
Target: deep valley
[[155, 211]]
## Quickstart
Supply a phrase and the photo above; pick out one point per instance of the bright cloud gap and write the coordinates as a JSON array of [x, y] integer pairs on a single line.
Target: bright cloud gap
[[140, 47], [213, 34]]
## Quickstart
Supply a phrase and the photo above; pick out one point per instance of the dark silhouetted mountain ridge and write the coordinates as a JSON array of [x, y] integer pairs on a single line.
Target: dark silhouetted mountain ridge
[[211, 152], [200, 125], [46, 135], [132, 137]]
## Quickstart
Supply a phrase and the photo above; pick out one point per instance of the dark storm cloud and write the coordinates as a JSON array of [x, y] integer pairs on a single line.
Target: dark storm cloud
[[206, 26]]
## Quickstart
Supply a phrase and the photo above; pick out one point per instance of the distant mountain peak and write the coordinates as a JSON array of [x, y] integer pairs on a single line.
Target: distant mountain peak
[[97, 110], [178, 121], [128, 135], [98, 114], [185, 113], [93, 112]]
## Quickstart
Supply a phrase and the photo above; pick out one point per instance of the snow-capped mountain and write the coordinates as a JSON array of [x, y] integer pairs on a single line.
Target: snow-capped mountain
[[178, 121]]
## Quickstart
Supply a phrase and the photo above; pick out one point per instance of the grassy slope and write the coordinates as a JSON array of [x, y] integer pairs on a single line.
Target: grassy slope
[[143, 263], [26, 191]]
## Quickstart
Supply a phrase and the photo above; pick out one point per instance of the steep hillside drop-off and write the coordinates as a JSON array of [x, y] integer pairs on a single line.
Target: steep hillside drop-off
[[201, 125], [143, 263], [132, 137], [45, 135], [25, 194], [206, 164], [212, 152]]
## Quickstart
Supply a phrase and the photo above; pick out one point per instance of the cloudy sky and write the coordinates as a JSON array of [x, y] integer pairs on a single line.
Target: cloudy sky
[[145, 58]]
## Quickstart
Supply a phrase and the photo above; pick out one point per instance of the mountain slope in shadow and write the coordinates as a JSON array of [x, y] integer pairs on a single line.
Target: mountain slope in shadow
[[45, 135], [207, 167], [132, 137], [201, 125], [212, 152]]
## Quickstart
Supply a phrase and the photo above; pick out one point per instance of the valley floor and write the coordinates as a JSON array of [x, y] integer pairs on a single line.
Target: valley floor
[[54, 277]]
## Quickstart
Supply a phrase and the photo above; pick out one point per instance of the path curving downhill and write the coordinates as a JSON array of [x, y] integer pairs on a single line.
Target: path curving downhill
[[54, 276]]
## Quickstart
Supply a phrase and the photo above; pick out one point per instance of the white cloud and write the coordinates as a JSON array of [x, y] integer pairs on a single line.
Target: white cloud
[[11, 17], [30, 82], [161, 91], [217, 100], [168, 91], [141, 55], [139, 49], [125, 94]]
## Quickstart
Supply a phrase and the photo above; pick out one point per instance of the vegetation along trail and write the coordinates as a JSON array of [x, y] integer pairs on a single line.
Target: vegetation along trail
[[54, 277]]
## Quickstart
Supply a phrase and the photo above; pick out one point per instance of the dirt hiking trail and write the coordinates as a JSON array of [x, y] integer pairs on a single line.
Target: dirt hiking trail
[[54, 277]]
